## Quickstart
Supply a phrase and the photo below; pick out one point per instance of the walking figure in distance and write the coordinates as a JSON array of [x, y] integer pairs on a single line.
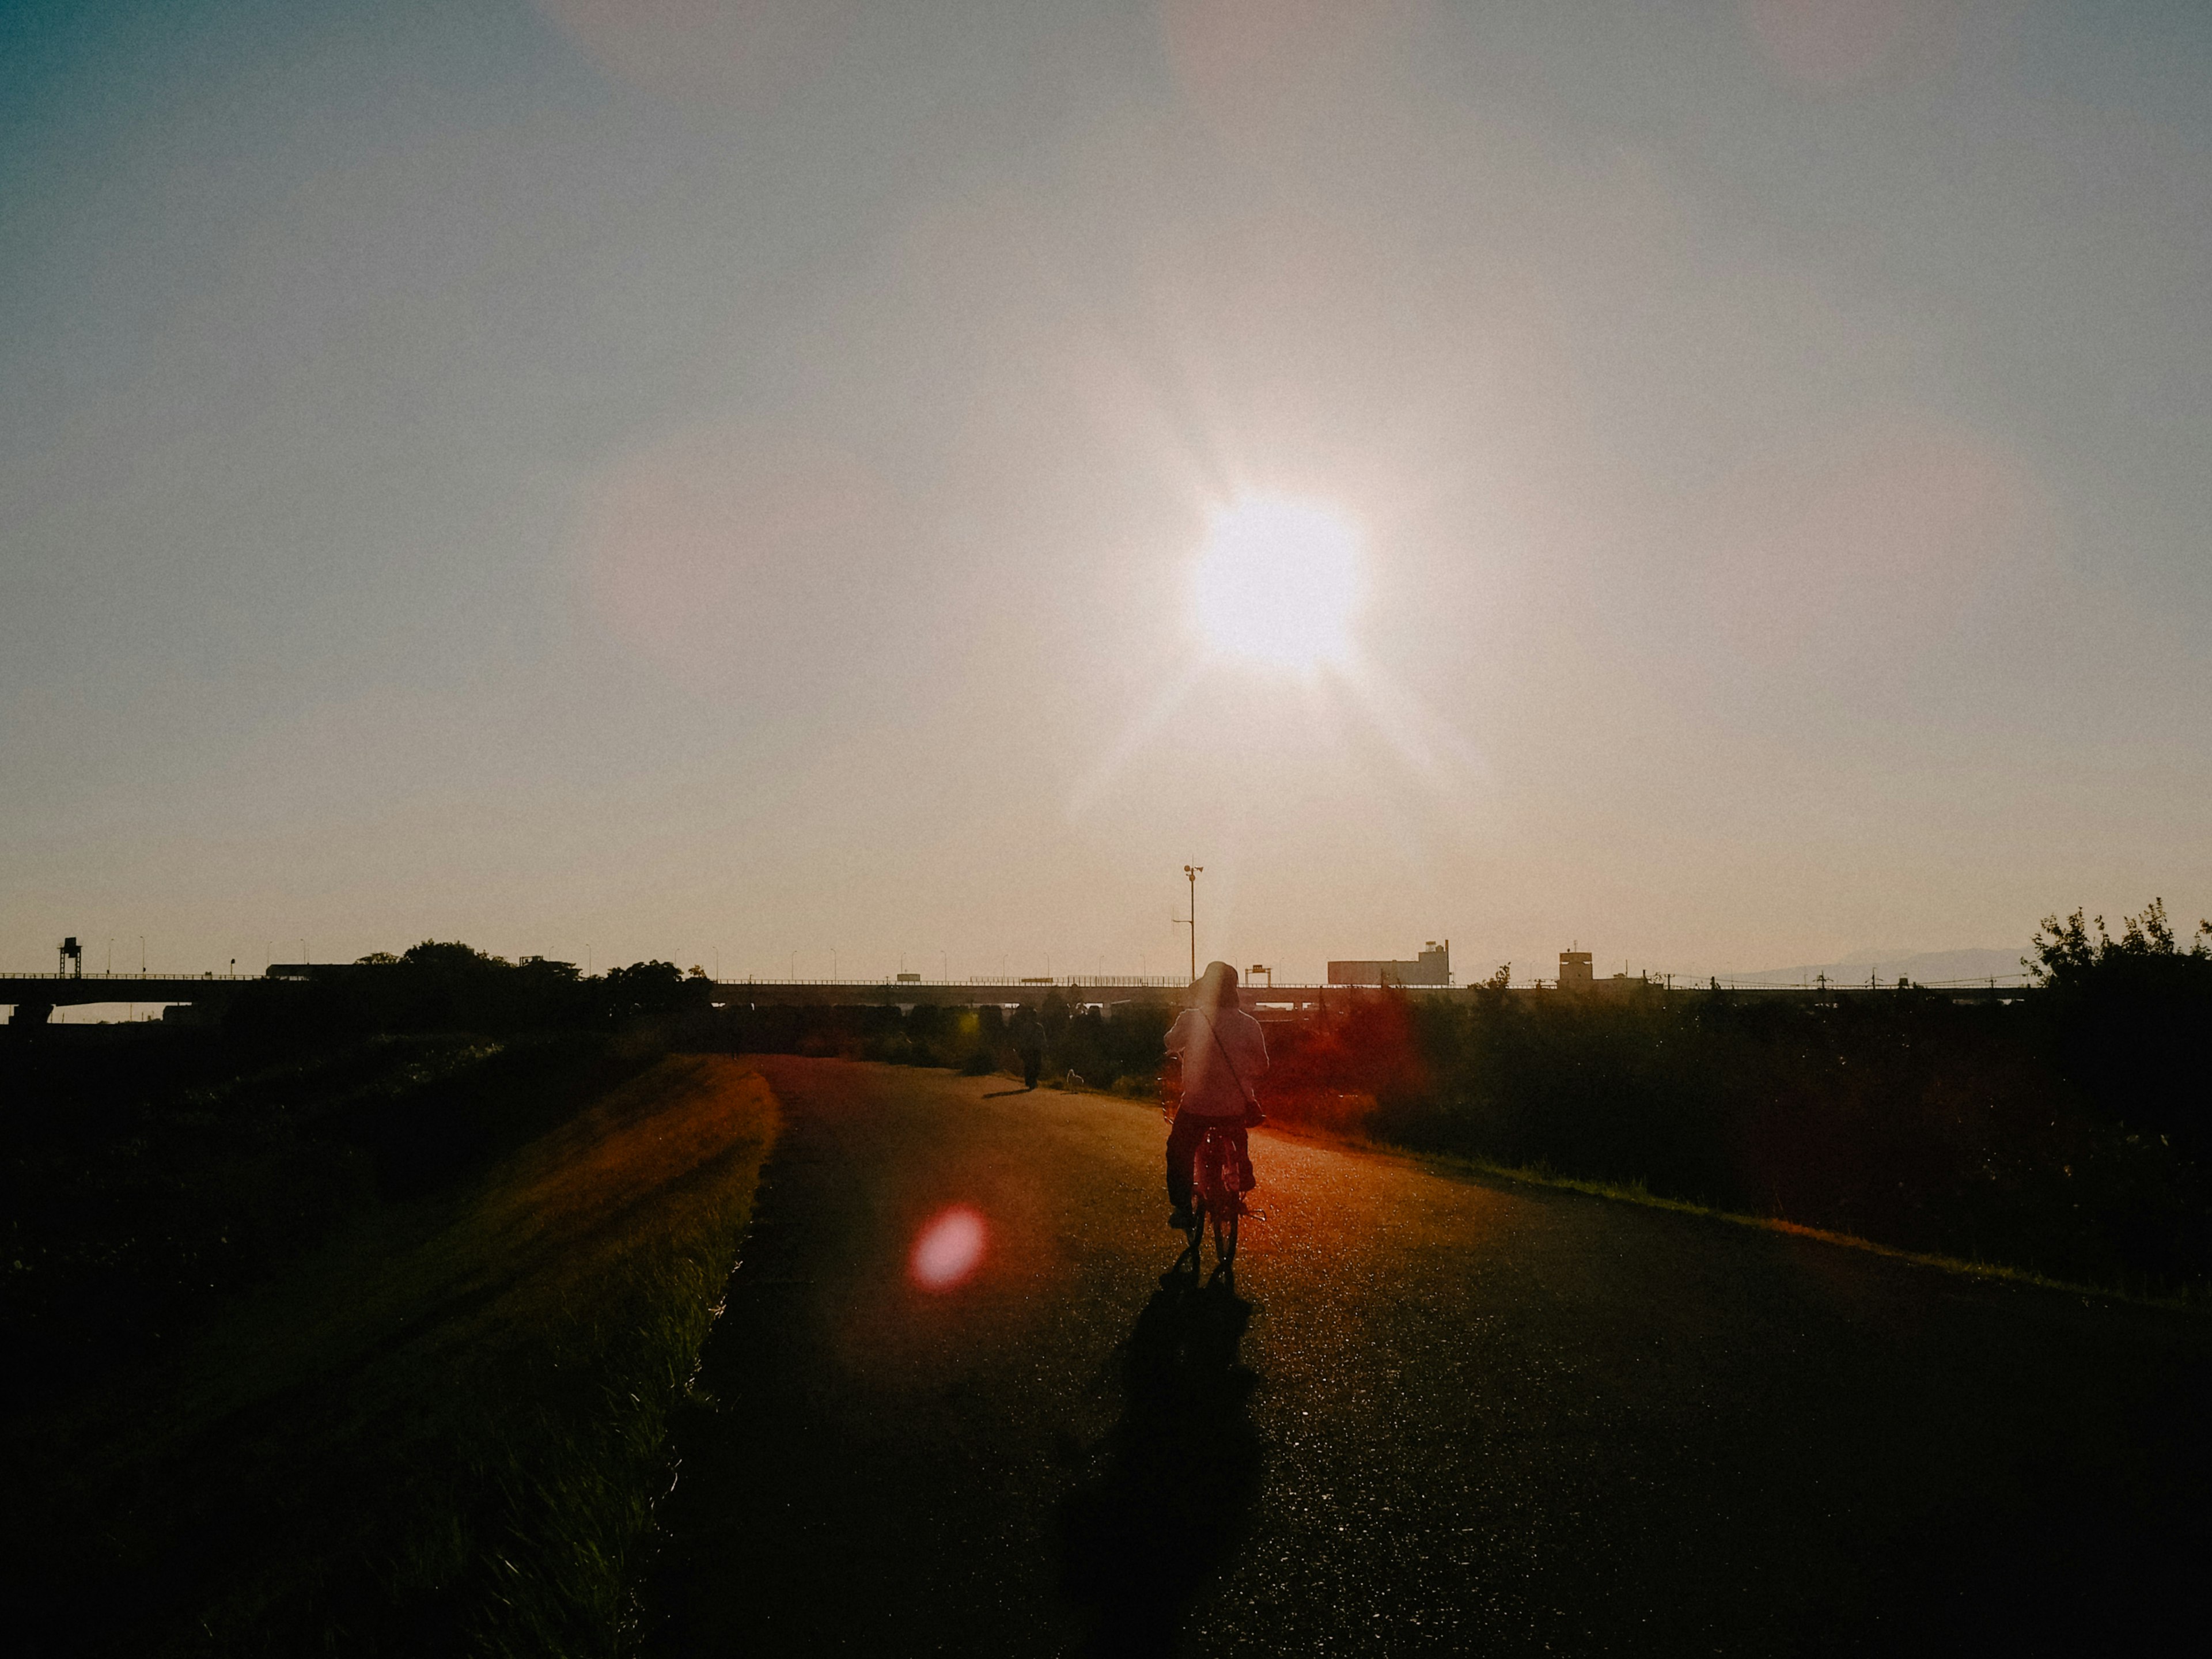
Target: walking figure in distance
[[1029, 1043], [1223, 1054]]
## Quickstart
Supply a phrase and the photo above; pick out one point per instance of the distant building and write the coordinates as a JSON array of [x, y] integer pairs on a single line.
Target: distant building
[[1431, 968], [1576, 975]]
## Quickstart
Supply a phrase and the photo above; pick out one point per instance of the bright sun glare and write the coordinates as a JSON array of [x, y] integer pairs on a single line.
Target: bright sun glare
[[1278, 580]]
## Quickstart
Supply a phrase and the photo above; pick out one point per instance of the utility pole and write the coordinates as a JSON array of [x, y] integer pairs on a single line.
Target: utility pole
[[1192, 871]]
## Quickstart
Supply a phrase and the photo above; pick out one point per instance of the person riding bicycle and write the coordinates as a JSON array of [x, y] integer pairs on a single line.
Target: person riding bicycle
[[1223, 1054]]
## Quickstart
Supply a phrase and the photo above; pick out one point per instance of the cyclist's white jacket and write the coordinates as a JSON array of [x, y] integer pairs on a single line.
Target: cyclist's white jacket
[[1218, 1077]]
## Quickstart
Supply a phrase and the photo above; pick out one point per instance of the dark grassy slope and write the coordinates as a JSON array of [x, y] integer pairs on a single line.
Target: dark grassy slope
[[1444, 1415], [144, 1176], [434, 1425]]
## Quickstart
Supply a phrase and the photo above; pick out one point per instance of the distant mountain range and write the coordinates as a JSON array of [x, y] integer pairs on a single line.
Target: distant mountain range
[[1921, 967]]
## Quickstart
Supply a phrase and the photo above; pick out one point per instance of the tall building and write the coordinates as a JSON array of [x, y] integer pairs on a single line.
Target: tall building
[[1575, 973], [1432, 967]]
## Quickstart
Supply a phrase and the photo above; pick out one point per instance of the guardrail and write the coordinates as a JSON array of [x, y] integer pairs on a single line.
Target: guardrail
[[151, 974], [1705, 985], [1066, 982], [1139, 982]]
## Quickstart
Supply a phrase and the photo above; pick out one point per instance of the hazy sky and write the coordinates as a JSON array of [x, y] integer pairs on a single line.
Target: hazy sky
[[716, 479]]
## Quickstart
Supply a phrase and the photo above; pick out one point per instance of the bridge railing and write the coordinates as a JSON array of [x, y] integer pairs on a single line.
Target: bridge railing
[[151, 974], [989, 981]]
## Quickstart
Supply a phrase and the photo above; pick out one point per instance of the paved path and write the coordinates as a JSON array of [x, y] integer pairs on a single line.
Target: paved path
[[1438, 1415]]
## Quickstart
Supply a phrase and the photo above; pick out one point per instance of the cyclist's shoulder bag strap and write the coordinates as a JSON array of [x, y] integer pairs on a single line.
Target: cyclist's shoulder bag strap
[[1236, 1077]]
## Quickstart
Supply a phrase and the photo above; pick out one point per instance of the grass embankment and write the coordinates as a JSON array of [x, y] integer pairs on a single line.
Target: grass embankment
[[439, 1431], [1635, 1191], [1930, 1129]]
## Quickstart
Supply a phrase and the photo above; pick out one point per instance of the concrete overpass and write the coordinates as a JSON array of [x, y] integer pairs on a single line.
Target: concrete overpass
[[1108, 990], [1277, 1001], [35, 996]]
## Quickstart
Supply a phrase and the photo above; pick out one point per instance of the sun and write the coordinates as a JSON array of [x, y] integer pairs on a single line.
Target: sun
[[1278, 581]]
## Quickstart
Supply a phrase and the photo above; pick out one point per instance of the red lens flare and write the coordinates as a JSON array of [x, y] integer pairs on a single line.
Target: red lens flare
[[948, 1249]]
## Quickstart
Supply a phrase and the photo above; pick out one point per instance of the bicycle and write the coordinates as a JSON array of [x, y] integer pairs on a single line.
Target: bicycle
[[1217, 1189], [1216, 1202]]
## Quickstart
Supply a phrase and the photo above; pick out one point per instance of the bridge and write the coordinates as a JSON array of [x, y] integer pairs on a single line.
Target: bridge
[[1264, 1000], [35, 996], [1079, 990]]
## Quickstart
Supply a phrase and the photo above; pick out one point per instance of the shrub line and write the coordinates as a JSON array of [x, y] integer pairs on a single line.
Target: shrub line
[[2187, 1301], [1949, 1264], [2184, 1302]]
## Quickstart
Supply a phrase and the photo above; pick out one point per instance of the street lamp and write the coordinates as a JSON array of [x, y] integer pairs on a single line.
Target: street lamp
[[1193, 872]]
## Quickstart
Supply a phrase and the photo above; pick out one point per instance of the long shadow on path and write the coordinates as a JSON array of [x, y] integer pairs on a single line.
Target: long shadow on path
[[1144, 1537]]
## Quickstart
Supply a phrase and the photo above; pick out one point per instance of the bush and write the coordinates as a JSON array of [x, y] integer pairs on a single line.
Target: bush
[[450, 987], [974, 1041], [2132, 1018], [1903, 1117]]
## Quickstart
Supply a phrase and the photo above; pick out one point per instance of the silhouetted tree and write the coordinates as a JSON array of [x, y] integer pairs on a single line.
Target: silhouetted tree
[[649, 987], [2133, 1018]]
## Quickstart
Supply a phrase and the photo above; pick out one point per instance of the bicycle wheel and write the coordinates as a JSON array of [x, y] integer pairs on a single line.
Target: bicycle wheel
[[1214, 1181]]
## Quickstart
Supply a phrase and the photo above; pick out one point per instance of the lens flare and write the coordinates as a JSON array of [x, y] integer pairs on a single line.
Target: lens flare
[[948, 1249]]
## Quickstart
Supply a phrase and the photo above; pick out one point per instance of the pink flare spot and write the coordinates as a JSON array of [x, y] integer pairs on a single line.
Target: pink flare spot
[[948, 1249]]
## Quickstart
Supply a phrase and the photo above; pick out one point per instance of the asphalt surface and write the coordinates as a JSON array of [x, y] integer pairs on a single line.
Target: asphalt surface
[[1436, 1414]]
